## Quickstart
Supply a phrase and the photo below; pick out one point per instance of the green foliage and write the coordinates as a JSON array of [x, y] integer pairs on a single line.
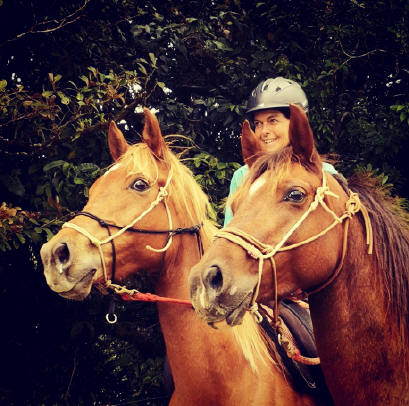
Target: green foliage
[[69, 67], [18, 226], [403, 110], [69, 183], [214, 177], [64, 111]]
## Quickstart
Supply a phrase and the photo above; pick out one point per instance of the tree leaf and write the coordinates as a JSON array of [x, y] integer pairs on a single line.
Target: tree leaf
[[53, 164]]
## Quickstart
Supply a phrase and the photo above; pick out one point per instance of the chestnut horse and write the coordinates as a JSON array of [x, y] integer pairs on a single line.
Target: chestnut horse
[[297, 231], [150, 188]]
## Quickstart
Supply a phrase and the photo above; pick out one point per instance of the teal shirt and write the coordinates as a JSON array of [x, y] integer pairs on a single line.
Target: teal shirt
[[238, 178]]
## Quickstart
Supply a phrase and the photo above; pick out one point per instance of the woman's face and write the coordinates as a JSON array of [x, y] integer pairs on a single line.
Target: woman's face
[[272, 128]]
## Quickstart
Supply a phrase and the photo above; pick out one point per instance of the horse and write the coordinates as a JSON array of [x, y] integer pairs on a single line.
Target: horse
[[298, 231], [149, 187]]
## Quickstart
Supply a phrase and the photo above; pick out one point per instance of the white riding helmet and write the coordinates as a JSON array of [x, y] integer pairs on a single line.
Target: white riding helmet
[[277, 92]]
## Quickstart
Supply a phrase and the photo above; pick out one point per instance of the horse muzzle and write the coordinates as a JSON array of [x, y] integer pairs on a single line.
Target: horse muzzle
[[215, 298], [69, 267]]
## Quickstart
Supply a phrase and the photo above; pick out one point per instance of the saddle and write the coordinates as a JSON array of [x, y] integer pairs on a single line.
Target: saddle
[[306, 378]]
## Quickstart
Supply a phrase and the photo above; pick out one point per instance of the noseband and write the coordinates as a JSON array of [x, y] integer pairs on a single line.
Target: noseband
[[258, 250], [133, 294]]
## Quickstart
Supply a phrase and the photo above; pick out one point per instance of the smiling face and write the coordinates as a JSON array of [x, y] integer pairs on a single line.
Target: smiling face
[[272, 129]]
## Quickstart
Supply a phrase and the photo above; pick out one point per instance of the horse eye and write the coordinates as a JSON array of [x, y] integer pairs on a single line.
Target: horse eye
[[140, 185], [294, 195]]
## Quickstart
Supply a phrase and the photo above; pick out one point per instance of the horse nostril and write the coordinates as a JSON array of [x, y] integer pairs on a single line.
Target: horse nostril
[[214, 278], [62, 253]]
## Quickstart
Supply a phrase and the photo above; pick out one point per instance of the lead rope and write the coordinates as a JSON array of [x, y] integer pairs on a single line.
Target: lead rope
[[260, 251], [286, 339]]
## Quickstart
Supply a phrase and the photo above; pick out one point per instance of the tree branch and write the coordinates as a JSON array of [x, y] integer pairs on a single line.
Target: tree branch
[[120, 116], [350, 57], [47, 26]]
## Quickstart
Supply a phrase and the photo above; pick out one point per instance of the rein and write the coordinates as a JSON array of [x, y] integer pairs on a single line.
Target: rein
[[134, 294], [260, 251]]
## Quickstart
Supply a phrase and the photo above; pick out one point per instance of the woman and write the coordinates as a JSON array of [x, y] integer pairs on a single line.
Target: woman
[[268, 109]]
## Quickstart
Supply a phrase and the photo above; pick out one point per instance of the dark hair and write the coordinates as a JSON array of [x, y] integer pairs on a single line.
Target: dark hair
[[284, 110]]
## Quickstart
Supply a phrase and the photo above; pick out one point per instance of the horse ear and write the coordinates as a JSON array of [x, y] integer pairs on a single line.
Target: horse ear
[[116, 141], [300, 134], [152, 134], [250, 145]]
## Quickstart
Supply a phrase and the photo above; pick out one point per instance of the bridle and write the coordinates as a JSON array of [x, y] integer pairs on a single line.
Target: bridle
[[260, 251], [134, 294]]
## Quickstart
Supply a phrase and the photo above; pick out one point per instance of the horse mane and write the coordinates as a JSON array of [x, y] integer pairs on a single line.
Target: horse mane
[[187, 197], [391, 243]]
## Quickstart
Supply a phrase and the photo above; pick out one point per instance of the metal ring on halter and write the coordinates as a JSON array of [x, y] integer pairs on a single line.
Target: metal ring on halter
[[114, 319]]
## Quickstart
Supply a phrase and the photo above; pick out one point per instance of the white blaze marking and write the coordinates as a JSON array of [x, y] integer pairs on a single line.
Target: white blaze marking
[[256, 185], [112, 168]]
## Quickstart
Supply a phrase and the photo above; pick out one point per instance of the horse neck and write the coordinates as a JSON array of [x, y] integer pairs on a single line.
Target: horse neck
[[181, 256], [191, 345], [356, 339], [208, 366]]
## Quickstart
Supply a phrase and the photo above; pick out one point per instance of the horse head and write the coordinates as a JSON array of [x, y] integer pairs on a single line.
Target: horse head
[[249, 260], [134, 191]]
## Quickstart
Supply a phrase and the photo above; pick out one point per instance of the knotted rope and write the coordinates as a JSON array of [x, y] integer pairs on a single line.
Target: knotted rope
[[286, 339]]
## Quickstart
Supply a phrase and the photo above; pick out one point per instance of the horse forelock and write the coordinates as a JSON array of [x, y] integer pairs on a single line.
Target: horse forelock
[[139, 159], [391, 244]]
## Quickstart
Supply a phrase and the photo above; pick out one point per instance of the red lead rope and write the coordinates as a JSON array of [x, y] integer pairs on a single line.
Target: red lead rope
[[135, 295], [149, 297]]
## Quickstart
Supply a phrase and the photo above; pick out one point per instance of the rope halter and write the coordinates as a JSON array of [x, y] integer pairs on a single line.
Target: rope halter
[[162, 194], [124, 292], [260, 251]]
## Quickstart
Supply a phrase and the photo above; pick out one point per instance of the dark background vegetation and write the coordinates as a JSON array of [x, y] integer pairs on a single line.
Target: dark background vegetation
[[68, 67]]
